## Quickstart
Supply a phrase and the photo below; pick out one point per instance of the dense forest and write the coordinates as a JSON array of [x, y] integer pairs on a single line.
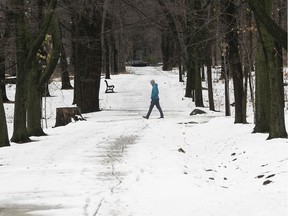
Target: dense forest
[[84, 39]]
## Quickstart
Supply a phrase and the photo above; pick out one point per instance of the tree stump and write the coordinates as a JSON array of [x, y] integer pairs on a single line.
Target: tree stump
[[64, 115]]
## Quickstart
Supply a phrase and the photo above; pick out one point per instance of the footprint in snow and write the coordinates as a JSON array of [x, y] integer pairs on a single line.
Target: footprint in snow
[[181, 150], [267, 182], [270, 176]]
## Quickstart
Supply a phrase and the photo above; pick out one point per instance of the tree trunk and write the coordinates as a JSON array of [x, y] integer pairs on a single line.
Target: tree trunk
[[190, 79], [89, 61], [198, 81], [209, 80], [262, 16], [105, 34], [2, 76], [116, 66], [235, 66], [106, 62], [167, 47], [180, 75], [34, 108], [268, 61], [20, 134], [27, 48], [225, 73], [181, 49], [245, 94], [38, 78], [4, 139], [65, 79], [262, 94], [111, 44], [277, 116]]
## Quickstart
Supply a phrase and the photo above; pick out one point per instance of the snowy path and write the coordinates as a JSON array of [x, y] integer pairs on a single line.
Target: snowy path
[[119, 164]]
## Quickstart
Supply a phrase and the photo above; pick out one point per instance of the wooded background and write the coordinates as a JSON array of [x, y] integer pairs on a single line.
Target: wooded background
[[84, 39]]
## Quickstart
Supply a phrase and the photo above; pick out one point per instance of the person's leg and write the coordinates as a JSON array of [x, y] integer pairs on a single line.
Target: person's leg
[[152, 104], [159, 108]]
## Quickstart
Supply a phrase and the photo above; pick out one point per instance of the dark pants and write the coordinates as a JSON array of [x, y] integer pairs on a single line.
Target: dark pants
[[153, 103]]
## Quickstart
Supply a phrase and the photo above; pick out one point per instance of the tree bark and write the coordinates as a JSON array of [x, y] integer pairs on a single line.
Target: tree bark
[[225, 73], [65, 78], [4, 139], [260, 13], [209, 80], [2, 77], [88, 57], [39, 78], [273, 118], [105, 34], [190, 79], [198, 80], [235, 66], [167, 47], [20, 134], [27, 48]]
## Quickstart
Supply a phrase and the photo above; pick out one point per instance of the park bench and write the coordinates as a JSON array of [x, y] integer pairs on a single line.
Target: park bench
[[109, 88]]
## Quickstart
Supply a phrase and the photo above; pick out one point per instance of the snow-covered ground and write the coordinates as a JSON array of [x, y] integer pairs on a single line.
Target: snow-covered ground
[[118, 164]]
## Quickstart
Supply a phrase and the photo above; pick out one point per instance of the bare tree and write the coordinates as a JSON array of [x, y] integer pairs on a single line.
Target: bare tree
[[269, 115], [234, 61], [27, 49], [88, 55]]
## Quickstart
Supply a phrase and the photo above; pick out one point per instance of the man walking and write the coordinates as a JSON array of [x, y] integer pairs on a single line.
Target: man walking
[[154, 100]]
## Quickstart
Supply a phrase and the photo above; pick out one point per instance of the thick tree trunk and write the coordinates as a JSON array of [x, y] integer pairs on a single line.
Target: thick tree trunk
[[262, 95], [34, 108], [38, 78], [262, 16], [89, 62], [20, 134], [27, 49], [275, 118]]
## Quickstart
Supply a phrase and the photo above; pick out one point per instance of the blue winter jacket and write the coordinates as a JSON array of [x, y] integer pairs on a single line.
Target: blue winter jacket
[[155, 92]]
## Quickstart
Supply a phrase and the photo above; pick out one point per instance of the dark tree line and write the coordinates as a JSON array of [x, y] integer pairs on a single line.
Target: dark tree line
[[98, 37], [233, 29]]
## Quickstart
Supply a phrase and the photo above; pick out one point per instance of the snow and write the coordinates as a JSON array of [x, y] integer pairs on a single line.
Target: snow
[[117, 163]]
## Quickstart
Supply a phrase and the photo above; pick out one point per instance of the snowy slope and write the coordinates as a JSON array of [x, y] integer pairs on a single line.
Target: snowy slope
[[117, 163]]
